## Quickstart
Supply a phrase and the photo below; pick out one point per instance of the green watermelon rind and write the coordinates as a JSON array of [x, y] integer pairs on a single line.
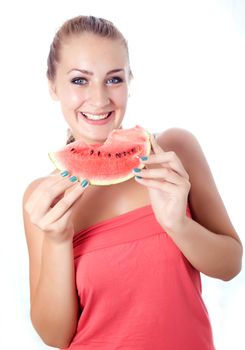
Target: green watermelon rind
[[105, 182]]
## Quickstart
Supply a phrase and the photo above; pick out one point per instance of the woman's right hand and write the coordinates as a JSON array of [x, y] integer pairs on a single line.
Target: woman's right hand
[[51, 204]]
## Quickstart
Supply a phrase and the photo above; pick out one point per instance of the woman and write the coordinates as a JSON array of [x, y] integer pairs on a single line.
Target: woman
[[118, 267]]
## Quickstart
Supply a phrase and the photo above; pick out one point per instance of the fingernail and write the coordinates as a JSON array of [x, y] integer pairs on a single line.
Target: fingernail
[[136, 170], [138, 177], [73, 179], [64, 173], [84, 183], [143, 158]]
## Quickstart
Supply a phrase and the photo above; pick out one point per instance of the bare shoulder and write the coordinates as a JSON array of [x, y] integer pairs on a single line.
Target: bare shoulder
[[176, 134], [181, 141], [204, 199]]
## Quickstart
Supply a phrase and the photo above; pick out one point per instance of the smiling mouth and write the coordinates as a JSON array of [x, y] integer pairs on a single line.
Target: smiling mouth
[[96, 116]]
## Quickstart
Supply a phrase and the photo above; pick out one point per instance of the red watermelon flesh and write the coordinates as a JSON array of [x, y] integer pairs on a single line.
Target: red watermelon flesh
[[108, 163]]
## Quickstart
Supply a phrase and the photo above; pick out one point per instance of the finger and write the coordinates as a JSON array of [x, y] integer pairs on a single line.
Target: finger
[[157, 149], [163, 186], [59, 225], [167, 159], [65, 203], [47, 193], [161, 174], [48, 181]]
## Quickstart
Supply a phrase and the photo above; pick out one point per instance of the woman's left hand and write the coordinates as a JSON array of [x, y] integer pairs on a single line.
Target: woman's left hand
[[168, 185]]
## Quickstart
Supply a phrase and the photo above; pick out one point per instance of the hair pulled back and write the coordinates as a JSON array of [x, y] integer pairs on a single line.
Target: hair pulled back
[[76, 26]]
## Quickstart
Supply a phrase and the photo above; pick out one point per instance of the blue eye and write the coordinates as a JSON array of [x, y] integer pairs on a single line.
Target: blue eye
[[114, 80], [79, 81]]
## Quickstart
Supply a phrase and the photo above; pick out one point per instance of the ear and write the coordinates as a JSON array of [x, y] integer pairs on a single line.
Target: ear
[[52, 90]]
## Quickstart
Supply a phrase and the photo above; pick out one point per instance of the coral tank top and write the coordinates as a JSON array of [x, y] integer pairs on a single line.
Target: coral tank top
[[137, 291]]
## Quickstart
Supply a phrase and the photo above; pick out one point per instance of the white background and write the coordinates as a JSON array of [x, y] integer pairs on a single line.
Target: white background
[[188, 59]]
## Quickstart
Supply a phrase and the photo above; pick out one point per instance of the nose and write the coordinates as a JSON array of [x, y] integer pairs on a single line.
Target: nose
[[98, 96]]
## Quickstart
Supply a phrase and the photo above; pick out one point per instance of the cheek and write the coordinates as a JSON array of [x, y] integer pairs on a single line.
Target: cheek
[[71, 98], [121, 97]]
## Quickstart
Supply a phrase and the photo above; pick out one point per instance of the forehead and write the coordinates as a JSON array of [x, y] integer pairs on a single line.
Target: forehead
[[88, 50]]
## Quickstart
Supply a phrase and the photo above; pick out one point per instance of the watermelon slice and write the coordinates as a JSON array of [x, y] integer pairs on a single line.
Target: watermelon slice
[[104, 164]]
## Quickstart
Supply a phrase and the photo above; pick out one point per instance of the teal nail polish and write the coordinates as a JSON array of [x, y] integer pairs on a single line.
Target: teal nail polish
[[84, 183], [138, 177], [137, 170], [144, 158], [73, 179], [64, 173]]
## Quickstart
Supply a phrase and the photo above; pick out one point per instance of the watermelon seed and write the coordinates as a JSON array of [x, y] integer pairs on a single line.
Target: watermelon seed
[[98, 153], [92, 151], [109, 155]]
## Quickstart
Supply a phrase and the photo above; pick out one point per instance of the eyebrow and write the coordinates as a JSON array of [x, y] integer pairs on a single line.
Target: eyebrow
[[84, 71]]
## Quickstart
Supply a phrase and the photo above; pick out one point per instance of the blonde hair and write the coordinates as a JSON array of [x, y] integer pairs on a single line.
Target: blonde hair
[[79, 25], [76, 26]]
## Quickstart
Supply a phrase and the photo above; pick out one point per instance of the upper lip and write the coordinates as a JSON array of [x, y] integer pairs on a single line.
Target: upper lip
[[96, 113]]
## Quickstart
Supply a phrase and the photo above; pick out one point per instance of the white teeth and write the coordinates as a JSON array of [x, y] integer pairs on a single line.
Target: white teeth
[[95, 116]]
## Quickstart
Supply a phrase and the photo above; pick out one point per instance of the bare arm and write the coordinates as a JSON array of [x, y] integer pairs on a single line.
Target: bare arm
[[49, 234], [216, 255], [209, 241]]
